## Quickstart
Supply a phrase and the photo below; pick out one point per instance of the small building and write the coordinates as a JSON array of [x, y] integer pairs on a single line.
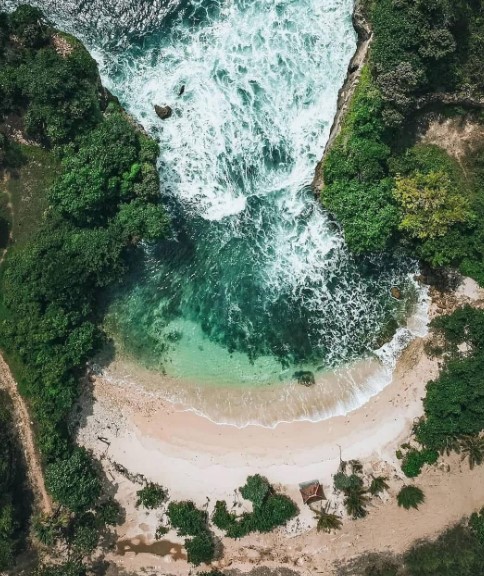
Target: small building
[[311, 492]]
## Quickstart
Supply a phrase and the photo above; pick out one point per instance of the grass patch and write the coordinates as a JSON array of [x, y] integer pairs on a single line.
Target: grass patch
[[26, 192]]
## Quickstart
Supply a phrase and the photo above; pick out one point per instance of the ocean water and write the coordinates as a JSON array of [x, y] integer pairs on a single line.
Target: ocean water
[[255, 283]]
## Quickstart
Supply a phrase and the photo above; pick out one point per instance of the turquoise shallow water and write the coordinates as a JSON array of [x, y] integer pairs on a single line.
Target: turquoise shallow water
[[255, 283]]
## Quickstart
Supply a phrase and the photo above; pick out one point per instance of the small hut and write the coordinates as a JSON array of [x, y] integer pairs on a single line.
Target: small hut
[[311, 492]]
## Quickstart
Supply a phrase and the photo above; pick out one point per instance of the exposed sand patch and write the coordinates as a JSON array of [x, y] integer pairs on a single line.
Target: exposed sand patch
[[457, 136], [61, 45], [196, 459]]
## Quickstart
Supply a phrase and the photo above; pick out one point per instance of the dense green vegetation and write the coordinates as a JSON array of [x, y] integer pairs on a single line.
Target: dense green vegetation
[[91, 185], [188, 520], [151, 496], [269, 510], [459, 550], [14, 496], [103, 201], [454, 404], [386, 191]]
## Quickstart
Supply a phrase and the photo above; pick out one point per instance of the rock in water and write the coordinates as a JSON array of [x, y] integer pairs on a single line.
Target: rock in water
[[305, 377], [396, 293], [163, 112]]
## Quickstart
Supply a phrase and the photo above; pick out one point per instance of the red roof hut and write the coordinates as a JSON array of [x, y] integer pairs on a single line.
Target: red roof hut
[[311, 492]]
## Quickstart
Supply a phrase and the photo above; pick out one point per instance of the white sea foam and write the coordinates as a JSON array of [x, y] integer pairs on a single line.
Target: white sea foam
[[261, 80]]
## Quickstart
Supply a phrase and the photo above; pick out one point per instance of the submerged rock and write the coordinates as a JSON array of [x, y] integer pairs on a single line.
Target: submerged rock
[[305, 377], [163, 112], [396, 293]]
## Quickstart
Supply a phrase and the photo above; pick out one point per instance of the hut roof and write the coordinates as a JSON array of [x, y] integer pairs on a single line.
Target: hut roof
[[311, 492]]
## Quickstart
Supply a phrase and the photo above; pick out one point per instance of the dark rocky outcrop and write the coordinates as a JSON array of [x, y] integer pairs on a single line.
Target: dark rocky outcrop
[[305, 377], [163, 112], [396, 293]]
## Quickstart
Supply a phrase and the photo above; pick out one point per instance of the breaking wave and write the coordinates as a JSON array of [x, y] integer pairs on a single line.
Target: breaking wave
[[256, 283]]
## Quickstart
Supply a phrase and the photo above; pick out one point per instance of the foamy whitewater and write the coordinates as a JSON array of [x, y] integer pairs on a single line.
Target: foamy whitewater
[[255, 285]]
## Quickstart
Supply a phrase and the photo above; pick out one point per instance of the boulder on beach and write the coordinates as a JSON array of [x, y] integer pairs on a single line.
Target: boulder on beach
[[163, 112]]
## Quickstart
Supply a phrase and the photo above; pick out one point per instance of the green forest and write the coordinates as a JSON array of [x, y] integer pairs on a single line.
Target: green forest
[[389, 191], [95, 198]]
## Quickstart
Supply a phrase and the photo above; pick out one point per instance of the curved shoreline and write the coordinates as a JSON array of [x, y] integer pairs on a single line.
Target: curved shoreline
[[144, 437], [336, 392]]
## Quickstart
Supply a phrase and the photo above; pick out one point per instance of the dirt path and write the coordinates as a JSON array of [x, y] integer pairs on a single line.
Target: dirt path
[[4, 190], [22, 418], [26, 435]]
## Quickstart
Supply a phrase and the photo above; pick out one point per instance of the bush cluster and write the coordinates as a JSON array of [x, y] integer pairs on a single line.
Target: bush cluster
[[151, 496], [414, 460], [454, 403], [269, 510], [188, 520]]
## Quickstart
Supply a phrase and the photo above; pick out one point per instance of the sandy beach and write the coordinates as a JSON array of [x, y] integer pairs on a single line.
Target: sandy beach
[[132, 430]]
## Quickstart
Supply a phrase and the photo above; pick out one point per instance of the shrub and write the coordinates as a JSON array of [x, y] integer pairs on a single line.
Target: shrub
[[270, 510], [430, 205], [73, 481], [187, 518], [109, 512], [414, 461], [151, 496], [410, 497], [276, 511], [200, 549], [221, 517], [256, 490]]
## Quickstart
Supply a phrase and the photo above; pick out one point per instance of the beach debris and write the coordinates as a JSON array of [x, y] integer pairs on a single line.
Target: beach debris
[[163, 112]]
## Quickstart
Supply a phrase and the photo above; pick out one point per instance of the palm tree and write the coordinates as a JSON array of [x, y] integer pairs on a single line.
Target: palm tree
[[472, 447], [450, 444], [410, 497], [378, 484], [355, 501], [356, 466], [327, 521]]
